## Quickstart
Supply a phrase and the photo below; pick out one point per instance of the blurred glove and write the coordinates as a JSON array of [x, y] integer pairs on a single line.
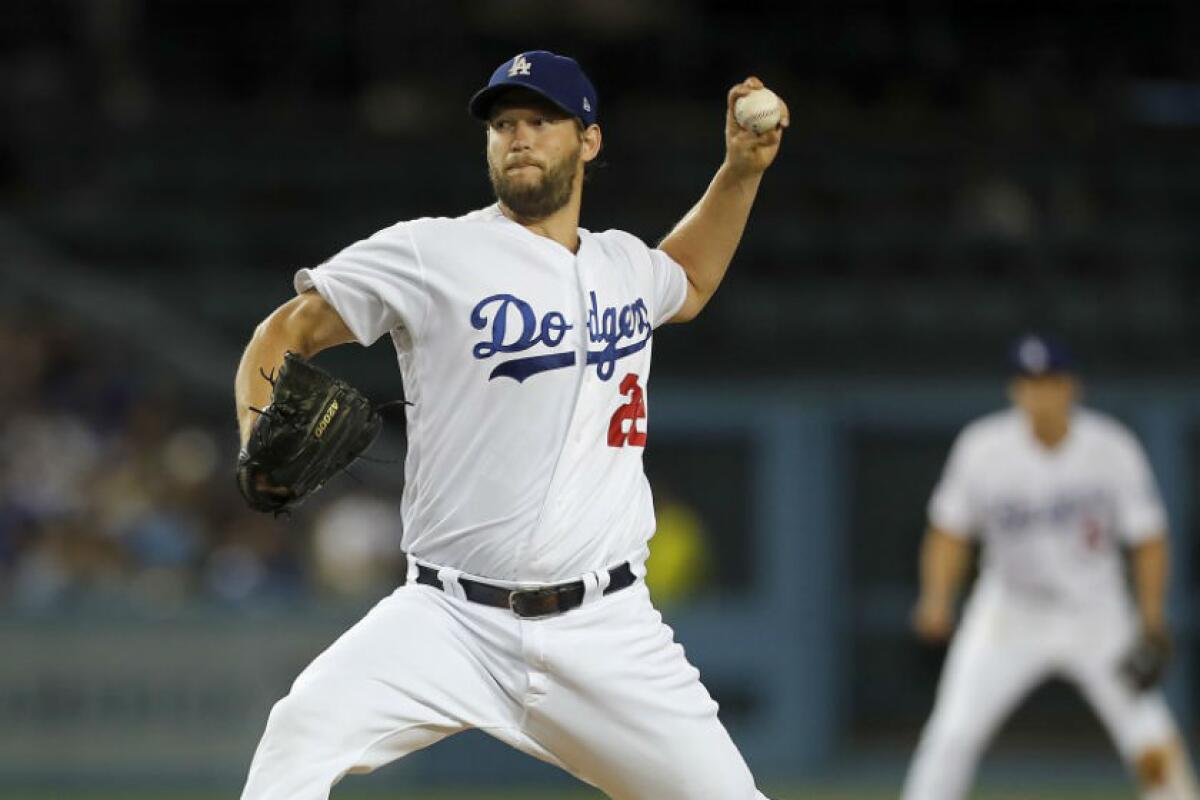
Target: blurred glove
[[1144, 664]]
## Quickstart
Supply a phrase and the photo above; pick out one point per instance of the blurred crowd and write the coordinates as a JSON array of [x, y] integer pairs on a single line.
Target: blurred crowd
[[116, 493]]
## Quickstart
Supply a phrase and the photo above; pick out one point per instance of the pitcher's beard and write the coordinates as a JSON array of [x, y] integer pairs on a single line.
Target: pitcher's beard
[[536, 201]]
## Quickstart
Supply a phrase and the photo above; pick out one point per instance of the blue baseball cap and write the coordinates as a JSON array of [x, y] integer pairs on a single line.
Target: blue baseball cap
[[557, 78], [1034, 355]]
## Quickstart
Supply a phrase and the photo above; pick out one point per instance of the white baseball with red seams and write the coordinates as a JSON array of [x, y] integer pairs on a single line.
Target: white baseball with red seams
[[759, 110]]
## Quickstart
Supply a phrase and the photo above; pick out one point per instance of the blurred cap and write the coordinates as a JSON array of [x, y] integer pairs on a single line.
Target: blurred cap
[[557, 78], [1034, 355]]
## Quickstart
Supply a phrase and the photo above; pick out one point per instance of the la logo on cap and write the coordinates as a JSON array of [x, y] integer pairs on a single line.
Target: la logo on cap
[[520, 66]]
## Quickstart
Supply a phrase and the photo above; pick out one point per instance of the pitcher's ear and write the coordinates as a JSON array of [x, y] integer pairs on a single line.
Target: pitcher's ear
[[592, 142]]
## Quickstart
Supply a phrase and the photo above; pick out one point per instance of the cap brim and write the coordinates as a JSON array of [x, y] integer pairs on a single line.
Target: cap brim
[[480, 105]]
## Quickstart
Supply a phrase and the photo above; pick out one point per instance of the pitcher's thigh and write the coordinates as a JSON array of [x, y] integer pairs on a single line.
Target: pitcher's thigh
[[626, 712], [646, 753], [400, 679]]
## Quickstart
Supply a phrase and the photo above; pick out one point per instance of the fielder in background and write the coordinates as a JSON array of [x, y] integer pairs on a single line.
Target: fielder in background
[[1052, 491], [524, 343]]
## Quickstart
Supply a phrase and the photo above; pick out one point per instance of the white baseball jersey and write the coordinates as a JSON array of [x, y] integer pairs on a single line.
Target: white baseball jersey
[[1052, 599], [527, 367], [1051, 521]]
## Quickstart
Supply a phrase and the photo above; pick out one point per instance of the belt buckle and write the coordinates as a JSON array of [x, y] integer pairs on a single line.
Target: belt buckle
[[527, 603]]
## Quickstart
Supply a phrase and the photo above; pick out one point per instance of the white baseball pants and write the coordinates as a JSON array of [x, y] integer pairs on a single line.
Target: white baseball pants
[[602, 691], [1006, 646]]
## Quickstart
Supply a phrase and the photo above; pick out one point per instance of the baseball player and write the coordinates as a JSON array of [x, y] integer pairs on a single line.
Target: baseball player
[[1052, 491], [524, 344]]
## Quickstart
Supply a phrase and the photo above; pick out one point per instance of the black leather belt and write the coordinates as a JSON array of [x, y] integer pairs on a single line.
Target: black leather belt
[[544, 601]]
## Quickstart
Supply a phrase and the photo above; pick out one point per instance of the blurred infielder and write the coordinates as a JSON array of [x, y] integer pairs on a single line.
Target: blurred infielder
[[524, 344], [1052, 490]]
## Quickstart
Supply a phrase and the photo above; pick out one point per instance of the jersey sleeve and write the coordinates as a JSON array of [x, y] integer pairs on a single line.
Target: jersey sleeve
[[375, 285], [670, 286], [1140, 512], [951, 507]]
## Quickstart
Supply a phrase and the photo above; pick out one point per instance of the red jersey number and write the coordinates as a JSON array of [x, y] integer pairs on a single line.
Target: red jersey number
[[618, 434]]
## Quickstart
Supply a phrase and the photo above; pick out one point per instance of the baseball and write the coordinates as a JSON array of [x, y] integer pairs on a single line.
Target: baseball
[[758, 111]]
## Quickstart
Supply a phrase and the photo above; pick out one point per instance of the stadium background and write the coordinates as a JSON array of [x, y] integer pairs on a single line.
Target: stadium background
[[955, 174]]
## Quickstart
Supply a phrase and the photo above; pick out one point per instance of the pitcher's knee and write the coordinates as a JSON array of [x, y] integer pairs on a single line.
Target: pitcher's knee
[[716, 787], [949, 743], [299, 722], [724, 776], [672, 773], [301, 753]]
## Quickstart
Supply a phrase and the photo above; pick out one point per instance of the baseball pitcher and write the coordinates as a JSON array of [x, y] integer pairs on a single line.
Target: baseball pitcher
[[524, 345], [1052, 491]]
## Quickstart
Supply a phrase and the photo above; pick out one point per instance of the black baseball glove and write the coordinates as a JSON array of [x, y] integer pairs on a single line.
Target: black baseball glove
[[1144, 664], [315, 426]]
